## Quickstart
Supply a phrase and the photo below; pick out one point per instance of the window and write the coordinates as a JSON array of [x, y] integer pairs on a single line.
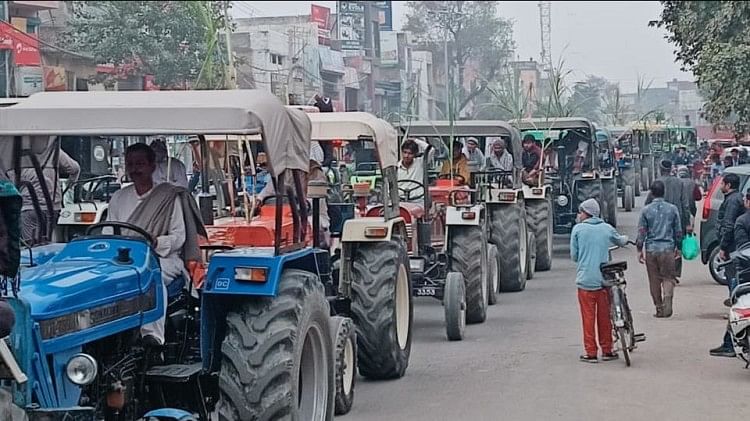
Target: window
[[277, 59]]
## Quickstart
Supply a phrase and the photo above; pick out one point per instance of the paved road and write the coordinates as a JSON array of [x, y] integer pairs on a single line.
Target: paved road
[[522, 363]]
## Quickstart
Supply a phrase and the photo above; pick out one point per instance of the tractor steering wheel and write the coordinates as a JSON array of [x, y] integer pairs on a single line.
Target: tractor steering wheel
[[408, 191], [457, 176], [117, 228]]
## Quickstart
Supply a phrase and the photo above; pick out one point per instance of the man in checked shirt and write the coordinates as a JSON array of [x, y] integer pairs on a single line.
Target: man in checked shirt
[[660, 234]]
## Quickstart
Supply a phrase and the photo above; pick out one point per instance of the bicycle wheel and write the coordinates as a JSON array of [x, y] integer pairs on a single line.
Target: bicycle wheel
[[624, 346], [629, 321]]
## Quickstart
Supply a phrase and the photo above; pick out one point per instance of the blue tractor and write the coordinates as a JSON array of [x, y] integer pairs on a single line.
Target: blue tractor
[[255, 341]]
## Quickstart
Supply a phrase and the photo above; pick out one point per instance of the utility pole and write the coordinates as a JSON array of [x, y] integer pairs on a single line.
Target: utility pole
[[231, 80], [545, 22]]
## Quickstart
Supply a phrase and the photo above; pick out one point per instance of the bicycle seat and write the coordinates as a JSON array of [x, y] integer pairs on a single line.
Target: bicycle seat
[[621, 266]]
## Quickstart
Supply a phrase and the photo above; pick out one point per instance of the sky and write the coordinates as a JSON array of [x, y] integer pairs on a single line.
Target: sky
[[602, 38]]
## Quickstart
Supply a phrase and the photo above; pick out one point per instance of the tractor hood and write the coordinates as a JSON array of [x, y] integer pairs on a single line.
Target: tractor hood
[[86, 274]]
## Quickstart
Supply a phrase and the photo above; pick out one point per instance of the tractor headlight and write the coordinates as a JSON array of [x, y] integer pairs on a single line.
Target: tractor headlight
[[81, 369], [562, 201]]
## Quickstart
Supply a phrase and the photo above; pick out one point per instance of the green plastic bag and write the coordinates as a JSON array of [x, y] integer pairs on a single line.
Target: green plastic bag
[[690, 247]]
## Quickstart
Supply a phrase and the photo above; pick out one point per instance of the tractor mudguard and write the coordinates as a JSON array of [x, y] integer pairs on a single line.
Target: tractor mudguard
[[370, 229], [469, 215]]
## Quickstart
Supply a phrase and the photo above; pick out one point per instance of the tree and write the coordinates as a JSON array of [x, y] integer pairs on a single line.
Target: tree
[[588, 96], [557, 102], [476, 34], [712, 42], [175, 41], [615, 111]]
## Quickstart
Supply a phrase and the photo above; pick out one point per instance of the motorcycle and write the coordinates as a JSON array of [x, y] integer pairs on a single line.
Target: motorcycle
[[739, 312]]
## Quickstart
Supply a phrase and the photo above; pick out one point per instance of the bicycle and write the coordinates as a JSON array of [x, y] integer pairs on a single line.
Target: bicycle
[[620, 315]]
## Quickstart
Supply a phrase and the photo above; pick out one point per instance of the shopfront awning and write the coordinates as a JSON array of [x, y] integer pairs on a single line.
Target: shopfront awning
[[331, 61]]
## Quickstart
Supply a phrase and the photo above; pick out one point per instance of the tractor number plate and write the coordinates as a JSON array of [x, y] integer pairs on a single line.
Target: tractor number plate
[[426, 292]]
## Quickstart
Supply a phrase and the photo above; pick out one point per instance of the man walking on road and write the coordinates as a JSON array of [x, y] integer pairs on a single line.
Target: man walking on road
[[589, 248], [660, 232], [674, 193], [730, 210]]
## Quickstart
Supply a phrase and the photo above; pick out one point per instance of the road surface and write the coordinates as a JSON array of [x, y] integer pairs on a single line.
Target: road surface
[[522, 363]]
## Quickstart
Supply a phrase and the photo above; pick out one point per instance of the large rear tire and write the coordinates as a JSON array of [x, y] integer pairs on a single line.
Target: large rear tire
[[344, 340], [508, 233], [276, 356], [469, 257], [590, 189], [493, 284], [628, 199], [539, 222], [609, 196], [382, 308], [531, 257]]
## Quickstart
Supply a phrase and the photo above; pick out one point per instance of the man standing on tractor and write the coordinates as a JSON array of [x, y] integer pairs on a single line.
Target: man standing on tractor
[[674, 193], [411, 168], [158, 209], [459, 166], [532, 153], [589, 248], [474, 155]]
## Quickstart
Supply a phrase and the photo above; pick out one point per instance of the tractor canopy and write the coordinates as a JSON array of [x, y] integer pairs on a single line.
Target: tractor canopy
[[569, 130], [43, 116], [480, 129]]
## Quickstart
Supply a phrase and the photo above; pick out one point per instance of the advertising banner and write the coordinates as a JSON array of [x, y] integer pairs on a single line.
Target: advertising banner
[[388, 48], [25, 47], [54, 78], [321, 16], [385, 15], [351, 16]]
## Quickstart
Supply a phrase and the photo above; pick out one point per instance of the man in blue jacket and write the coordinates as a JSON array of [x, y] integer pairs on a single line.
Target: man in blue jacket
[[589, 248]]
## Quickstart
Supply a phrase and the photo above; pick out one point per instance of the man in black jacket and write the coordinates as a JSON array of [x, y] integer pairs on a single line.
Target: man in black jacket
[[730, 210], [742, 226]]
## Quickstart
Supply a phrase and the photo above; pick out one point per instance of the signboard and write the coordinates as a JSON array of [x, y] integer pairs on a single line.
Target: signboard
[[321, 16], [351, 16], [29, 80], [25, 47], [385, 14], [388, 48], [54, 78]]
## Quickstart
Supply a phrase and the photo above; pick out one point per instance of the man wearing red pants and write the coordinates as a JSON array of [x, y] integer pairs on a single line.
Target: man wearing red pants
[[589, 248]]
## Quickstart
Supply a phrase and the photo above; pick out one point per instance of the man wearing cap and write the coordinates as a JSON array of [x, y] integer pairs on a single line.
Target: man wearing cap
[[675, 193], [589, 248], [660, 233], [474, 155]]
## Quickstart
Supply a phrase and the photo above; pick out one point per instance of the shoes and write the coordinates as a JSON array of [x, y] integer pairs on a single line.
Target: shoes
[[659, 312], [677, 281], [722, 352], [610, 356], [727, 303], [588, 359], [153, 348], [667, 311]]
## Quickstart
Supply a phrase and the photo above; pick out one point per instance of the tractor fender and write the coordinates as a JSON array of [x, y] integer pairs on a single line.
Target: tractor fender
[[541, 192], [464, 215], [366, 229]]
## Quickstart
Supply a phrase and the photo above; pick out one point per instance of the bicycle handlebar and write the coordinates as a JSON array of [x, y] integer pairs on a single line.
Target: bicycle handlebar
[[629, 242]]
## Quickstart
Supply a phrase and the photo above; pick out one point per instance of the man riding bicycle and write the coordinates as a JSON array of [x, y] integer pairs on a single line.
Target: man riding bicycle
[[589, 248]]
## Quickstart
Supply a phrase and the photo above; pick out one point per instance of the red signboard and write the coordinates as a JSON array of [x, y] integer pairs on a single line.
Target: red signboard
[[321, 16], [24, 46]]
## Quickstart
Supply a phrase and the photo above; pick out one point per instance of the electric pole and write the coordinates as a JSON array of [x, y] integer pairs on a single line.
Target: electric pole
[[545, 22], [231, 74]]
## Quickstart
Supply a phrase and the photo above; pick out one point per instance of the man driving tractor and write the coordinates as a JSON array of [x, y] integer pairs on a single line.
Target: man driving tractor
[[460, 165], [411, 168], [174, 228]]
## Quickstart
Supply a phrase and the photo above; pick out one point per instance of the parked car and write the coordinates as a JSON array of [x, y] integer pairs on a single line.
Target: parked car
[[709, 231]]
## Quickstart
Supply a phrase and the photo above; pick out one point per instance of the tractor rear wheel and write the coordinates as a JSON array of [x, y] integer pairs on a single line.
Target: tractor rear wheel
[[508, 233], [382, 308], [628, 199], [539, 221], [590, 189], [468, 249], [531, 257], [493, 275], [277, 361]]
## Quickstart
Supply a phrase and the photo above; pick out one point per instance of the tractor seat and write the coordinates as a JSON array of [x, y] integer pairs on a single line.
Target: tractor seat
[[415, 209], [620, 266], [174, 289], [740, 290]]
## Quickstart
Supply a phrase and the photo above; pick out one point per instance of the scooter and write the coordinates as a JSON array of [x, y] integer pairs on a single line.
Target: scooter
[[739, 312]]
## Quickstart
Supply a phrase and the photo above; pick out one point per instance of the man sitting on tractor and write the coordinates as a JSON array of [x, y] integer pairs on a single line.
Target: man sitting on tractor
[[532, 153], [460, 165], [411, 168], [158, 209], [474, 155]]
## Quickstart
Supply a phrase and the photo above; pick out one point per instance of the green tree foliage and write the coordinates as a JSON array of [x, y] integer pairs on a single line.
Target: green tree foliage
[[477, 37], [713, 42], [176, 41]]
